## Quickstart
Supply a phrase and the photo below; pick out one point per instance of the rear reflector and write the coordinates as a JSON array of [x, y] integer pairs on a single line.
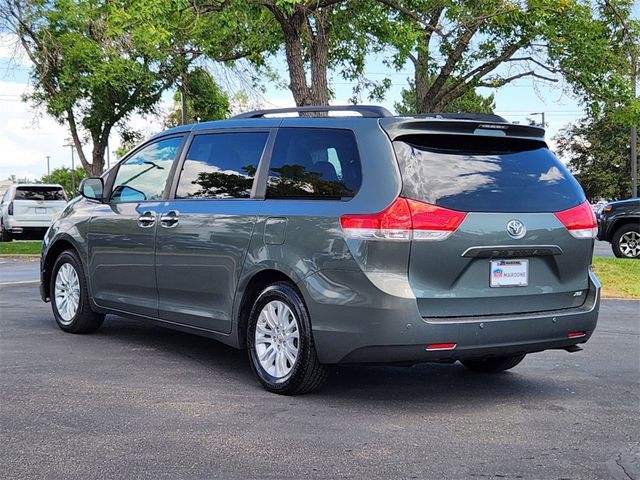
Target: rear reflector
[[404, 220], [580, 221], [576, 334], [441, 346]]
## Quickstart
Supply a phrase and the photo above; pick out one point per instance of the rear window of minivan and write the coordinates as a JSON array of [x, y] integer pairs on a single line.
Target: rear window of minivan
[[485, 174], [40, 193]]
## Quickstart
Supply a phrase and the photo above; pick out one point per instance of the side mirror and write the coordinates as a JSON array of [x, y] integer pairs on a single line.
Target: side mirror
[[92, 188]]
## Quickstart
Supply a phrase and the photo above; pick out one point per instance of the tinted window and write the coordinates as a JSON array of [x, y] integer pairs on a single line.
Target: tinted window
[[314, 163], [485, 174], [221, 165], [40, 193], [143, 176]]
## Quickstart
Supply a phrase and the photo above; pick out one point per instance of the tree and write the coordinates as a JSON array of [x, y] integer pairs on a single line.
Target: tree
[[64, 177], [94, 63], [205, 100], [455, 47], [597, 152], [471, 101], [317, 36]]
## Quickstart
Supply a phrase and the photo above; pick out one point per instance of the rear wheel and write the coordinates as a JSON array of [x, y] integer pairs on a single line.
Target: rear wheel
[[280, 343], [5, 236], [625, 242], [494, 364], [70, 297]]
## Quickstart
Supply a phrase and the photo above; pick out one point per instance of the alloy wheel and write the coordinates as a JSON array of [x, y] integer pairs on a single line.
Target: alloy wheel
[[629, 244], [277, 339], [67, 293]]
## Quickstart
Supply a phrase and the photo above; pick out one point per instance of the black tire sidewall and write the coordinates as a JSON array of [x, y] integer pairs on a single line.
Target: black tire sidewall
[[617, 236], [76, 325], [287, 294]]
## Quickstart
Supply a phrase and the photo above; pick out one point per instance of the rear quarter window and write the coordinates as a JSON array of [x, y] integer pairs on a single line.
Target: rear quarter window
[[314, 163], [485, 174]]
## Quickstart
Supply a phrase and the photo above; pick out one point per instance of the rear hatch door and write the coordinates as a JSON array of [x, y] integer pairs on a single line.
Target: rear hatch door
[[512, 253]]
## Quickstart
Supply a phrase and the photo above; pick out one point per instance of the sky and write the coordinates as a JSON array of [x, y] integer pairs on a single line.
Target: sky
[[28, 136]]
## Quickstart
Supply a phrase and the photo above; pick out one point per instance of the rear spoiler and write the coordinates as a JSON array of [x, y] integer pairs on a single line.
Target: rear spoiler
[[401, 126]]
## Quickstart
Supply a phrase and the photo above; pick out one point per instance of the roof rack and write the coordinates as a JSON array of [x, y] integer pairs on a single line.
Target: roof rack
[[482, 117], [369, 111]]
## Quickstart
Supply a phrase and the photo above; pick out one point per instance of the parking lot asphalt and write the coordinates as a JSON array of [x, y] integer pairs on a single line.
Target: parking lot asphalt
[[138, 401], [19, 269]]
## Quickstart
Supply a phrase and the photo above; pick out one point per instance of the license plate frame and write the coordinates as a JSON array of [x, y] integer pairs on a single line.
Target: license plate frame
[[509, 273]]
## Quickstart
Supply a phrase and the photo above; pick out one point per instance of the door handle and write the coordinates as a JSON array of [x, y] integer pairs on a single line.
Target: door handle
[[147, 219], [169, 219]]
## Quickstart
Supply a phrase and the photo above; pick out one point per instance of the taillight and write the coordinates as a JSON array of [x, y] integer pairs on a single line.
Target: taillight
[[404, 219], [10, 209], [580, 221]]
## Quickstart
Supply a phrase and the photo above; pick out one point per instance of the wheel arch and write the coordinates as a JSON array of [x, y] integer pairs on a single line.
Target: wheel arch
[[255, 284], [53, 252], [619, 223]]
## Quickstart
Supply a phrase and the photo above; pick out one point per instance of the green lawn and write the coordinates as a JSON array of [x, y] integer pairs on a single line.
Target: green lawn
[[620, 277], [20, 248]]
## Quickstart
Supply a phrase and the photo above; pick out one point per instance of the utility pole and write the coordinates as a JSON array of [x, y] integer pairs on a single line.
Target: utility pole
[[542, 115], [73, 167], [634, 134], [48, 166], [108, 156]]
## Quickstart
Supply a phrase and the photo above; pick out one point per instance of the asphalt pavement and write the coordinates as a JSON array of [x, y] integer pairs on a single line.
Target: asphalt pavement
[[138, 401], [19, 269]]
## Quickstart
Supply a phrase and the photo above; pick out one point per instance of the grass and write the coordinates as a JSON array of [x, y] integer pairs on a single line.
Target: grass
[[620, 277], [20, 248]]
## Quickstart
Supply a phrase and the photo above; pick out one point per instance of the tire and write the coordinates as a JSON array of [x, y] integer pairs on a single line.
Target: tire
[[81, 319], [625, 242], [274, 313], [5, 236], [494, 364]]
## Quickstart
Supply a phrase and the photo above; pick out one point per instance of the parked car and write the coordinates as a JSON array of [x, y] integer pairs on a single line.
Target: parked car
[[314, 241], [619, 224], [27, 210]]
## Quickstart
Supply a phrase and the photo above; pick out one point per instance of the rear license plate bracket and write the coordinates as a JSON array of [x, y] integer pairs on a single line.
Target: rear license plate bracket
[[509, 273]]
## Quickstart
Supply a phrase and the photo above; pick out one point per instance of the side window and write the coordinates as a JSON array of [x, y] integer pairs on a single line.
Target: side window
[[221, 165], [314, 163], [144, 175]]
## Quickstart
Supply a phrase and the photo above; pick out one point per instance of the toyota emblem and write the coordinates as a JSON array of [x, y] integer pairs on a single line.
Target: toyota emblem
[[516, 229]]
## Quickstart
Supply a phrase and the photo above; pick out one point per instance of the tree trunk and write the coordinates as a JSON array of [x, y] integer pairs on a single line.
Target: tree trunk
[[318, 49], [319, 59]]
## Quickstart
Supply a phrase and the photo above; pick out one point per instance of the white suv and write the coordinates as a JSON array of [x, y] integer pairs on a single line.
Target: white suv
[[27, 210]]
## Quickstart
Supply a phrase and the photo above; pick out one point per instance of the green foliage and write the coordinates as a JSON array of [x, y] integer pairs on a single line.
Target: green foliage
[[64, 177], [96, 63], [598, 153], [205, 100], [457, 46], [471, 101]]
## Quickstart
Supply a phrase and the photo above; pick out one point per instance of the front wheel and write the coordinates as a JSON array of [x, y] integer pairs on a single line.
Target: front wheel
[[494, 364], [626, 241], [70, 297], [280, 342]]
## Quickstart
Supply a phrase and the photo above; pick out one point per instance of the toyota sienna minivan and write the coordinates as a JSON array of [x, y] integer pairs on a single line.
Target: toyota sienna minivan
[[317, 240]]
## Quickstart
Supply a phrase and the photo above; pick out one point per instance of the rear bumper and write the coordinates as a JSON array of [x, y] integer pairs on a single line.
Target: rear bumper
[[361, 323], [23, 223]]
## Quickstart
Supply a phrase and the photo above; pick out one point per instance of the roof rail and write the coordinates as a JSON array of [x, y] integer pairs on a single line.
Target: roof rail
[[370, 111], [482, 117]]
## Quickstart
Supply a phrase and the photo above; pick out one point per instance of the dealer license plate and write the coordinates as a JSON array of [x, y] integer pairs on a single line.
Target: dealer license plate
[[509, 273]]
